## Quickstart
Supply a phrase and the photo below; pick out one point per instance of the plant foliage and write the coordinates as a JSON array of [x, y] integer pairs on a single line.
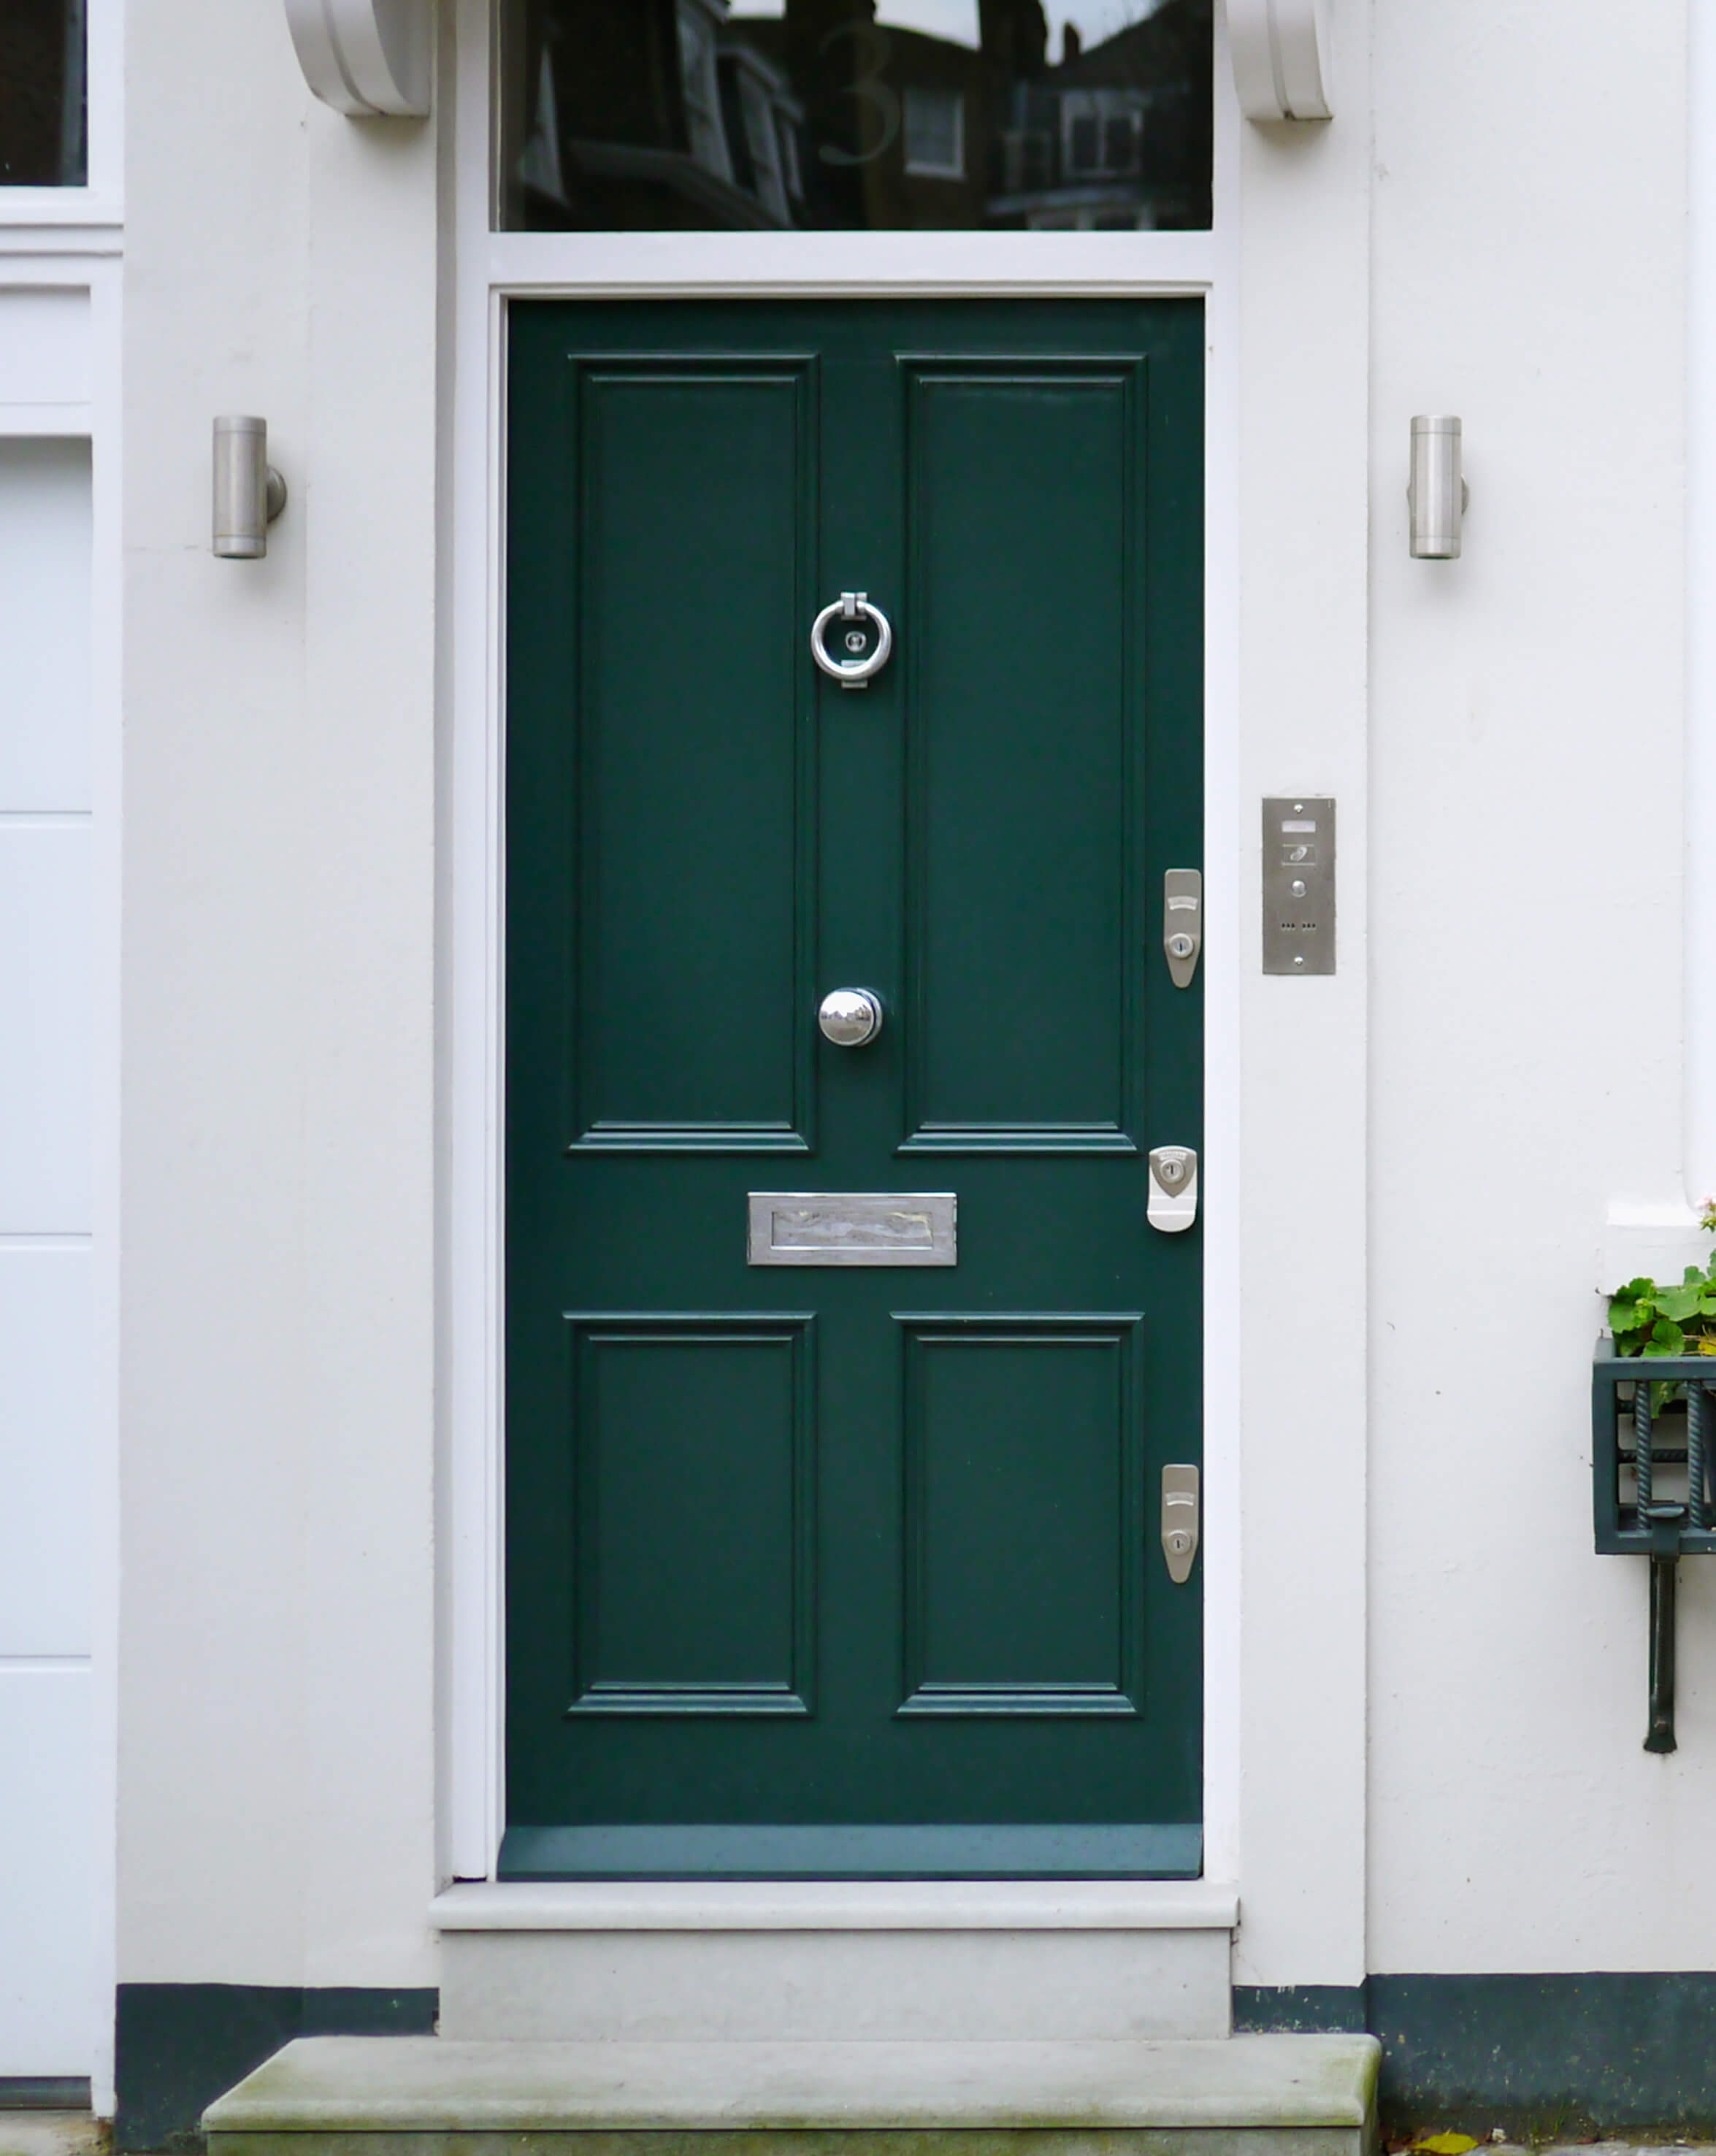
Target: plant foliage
[[1649, 1319]]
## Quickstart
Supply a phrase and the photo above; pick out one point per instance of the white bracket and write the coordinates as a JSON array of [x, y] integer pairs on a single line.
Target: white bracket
[[367, 58], [1280, 58]]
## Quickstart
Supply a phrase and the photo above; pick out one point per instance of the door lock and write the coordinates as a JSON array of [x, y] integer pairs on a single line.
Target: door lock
[[1172, 1202], [849, 1018], [1179, 1521], [1182, 923]]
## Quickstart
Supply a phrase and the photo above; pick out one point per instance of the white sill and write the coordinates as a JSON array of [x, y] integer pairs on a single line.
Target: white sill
[[868, 1905]]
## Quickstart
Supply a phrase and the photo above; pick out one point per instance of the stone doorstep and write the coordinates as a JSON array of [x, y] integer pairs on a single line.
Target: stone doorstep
[[1242, 2096]]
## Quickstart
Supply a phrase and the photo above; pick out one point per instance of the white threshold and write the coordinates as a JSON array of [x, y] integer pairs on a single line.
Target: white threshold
[[858, 1904]]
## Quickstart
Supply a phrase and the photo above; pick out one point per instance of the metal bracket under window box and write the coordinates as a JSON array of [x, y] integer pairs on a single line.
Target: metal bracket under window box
[[1652, 1492]]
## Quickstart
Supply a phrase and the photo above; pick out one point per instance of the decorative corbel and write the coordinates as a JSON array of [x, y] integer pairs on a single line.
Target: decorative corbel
[[367, 58], [1280, 58]]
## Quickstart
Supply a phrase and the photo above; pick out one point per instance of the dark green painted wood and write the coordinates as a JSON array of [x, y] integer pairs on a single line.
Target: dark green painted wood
[[1032, 1427], [854, 1852], [729, 1519], [826, 1549]]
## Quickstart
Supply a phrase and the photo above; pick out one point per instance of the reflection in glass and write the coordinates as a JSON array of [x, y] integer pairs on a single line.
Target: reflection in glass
[[42, 113], [640, 116]]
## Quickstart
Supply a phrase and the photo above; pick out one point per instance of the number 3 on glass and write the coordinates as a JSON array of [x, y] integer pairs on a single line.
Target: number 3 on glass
[[870, 47]]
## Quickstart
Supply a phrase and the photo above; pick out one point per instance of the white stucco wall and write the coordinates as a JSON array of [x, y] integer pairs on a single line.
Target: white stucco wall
[[1303, 259], [276, 1772], [1444, 1125], [1526, 758]]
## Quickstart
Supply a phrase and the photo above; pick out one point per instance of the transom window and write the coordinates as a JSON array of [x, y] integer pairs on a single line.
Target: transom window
[[646, 115]]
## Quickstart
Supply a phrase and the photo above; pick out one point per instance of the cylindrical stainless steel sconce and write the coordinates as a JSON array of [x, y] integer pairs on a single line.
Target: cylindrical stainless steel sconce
[[1436, 493], [249, 492]]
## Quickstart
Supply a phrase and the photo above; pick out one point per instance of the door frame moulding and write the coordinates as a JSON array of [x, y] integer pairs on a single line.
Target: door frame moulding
[[80, 258], [483, 270]]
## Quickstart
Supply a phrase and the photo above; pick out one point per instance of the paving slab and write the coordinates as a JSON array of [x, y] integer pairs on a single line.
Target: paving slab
[[367, 2084], [1245, 2096], [51, 2134]]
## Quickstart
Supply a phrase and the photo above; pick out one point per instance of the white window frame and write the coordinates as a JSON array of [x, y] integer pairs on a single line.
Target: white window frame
[[98, 203], [489, 270], [917, 167]]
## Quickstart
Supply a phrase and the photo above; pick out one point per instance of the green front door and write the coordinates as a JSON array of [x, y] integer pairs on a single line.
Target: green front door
[[849, 1568]]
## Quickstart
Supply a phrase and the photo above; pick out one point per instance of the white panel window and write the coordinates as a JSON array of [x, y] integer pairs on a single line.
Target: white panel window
[[934, 122]]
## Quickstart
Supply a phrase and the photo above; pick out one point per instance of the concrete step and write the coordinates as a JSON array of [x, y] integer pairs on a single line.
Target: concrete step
[[428, 2095], [801, 1961]]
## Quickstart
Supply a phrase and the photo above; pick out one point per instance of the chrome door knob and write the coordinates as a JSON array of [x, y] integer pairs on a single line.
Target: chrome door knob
[[849, 1017]]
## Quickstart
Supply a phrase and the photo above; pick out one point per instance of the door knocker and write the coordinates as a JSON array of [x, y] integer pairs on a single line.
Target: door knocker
[[851, 606]]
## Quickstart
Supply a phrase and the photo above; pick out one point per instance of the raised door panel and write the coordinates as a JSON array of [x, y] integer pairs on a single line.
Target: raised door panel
[[1025, 1529], [1024, 731], [693, 754], [694, 1507]]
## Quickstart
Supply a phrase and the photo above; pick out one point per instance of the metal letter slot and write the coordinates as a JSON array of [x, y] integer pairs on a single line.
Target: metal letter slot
[[1172, 1202], [1179, 1521], [853, 1228], [851, 606], [1182, 923], [1298, 884]]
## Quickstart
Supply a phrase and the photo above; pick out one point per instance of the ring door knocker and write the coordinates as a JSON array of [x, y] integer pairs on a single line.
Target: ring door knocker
[[851, 606]]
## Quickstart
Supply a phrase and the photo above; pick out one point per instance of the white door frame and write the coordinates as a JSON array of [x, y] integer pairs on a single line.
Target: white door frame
[[486, 269]]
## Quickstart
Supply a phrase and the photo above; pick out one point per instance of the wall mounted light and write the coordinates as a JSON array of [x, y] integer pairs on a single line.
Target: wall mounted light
[[249, 492], [367, 58], [1436, 493], [1281, 57]]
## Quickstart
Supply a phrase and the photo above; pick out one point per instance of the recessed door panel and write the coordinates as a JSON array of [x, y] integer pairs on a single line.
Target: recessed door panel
[[694, 1501], [1022, 896], [811, 1570], [694, 546], [1025, 1535]]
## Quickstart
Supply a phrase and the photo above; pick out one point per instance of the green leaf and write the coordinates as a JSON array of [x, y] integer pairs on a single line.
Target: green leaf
[[1666, 1339], [1679, 1304], [1694, 1276], [1641, 1290]]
